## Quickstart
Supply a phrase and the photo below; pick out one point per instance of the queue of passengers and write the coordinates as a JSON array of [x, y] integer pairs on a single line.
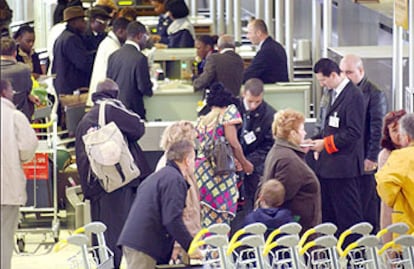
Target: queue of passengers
[[282, 174]]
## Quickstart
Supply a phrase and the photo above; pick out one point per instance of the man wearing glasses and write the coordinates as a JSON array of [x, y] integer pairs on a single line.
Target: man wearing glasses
[[96, 32]]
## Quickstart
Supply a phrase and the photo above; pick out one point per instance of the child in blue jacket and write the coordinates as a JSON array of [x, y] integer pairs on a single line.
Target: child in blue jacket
[[269, 212]]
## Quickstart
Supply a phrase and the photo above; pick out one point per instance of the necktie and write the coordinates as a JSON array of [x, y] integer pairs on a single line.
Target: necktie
[[333, 96]]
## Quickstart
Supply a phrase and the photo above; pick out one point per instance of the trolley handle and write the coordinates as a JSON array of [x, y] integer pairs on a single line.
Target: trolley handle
[[399, 228], [363, 228], [44, 125]]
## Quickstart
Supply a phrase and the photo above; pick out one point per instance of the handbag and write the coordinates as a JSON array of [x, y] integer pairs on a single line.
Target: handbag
[[220, 154]]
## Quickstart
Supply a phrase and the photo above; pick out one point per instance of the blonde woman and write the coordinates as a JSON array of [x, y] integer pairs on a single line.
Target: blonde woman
[[183, 130], [285, 162]]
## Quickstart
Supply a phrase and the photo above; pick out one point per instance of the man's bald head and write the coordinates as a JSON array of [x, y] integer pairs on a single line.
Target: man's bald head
[[226, 41], [351, 65]]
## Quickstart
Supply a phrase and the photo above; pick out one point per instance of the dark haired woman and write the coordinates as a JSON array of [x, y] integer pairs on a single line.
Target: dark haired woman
[[25, 38], [390, 140], [219, 194], [181, 32]]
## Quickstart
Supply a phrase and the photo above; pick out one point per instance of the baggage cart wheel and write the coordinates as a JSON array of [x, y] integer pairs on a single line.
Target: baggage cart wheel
[[20, 244]]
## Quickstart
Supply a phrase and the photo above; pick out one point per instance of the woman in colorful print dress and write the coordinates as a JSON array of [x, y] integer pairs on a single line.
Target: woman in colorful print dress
[[219, 194]]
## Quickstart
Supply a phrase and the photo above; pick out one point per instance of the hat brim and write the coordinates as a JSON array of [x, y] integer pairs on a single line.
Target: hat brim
[[77, 17]]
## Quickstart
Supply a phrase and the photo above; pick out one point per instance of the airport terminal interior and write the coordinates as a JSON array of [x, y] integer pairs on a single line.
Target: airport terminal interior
[[379, 31]]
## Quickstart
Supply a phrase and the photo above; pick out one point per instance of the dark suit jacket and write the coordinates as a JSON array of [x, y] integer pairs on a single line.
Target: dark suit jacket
[[72, 62], [348, 161], [269, 64], [375, 108], [129, 68], [226, 68]]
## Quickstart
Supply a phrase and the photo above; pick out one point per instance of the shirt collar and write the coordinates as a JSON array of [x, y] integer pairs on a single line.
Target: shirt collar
[[225, 50], [130, 42], [261, 44], [341, 86]]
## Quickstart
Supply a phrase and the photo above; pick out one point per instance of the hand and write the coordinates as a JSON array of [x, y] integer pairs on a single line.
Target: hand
[[155, 38], [369, 165], [306, 145], [318, 145], [160, 46], [34, 99], [238, 165], [197, 255], [175, 254], [248, 167]]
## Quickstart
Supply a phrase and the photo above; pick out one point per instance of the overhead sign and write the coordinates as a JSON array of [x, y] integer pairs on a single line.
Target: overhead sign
[[401, 13]]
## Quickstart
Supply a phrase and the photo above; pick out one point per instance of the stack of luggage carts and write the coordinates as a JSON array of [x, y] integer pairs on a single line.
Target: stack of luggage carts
[[316, 248], [99, 257]]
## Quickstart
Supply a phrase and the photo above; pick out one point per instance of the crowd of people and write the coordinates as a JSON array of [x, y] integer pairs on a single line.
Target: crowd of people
[[358, 156]]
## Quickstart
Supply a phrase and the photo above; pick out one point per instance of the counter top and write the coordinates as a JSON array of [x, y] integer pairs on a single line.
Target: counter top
[[178, 87], [173, 54], [368, 52], [151, 21]]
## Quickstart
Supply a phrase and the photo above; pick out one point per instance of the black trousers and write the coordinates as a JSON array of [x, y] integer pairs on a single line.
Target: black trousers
[[247, 192], [341, 204], [370, 200], [112, 209]]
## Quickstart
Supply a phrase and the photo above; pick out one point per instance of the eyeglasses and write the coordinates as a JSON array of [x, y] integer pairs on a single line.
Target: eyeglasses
[[106, 22]]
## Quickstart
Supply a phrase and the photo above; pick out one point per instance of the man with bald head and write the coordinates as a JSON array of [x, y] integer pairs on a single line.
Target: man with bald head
[[375, 105], [270, 62], [225, 67]]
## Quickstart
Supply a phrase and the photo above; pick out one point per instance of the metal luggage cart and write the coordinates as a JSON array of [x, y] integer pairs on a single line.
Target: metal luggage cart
[[361, 254], [48, 146], [398, 253], [286, 255], [319, 253], [99, 257], [214, 241], [251, 246]]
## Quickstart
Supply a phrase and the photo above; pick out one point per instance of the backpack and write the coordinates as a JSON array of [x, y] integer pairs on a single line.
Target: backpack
[[218, 151], [109, 156]]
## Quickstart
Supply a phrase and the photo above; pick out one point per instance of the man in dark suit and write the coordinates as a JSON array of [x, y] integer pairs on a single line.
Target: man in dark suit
[[339, 145], [225, 67], [128, 67], [375, 105], [270, 62]]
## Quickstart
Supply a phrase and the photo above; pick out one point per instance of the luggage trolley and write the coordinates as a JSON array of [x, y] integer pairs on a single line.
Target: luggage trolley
[[214, 239], [250, 256], [47, 133], [99, 257], [398, 253]]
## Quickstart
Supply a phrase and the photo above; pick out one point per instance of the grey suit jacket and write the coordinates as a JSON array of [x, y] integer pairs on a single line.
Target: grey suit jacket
[[226, 68]]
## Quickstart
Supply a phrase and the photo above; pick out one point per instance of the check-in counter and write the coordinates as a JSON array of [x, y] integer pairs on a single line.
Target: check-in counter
[[202, 25], [176, 100], [174, 60]]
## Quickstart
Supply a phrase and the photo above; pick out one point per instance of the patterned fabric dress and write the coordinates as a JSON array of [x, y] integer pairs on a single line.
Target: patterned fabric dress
[[218, 194]]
